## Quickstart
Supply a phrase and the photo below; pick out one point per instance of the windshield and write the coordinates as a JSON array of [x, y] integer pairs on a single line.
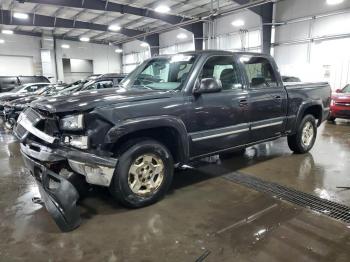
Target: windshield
[[346, 89], [163, 73]]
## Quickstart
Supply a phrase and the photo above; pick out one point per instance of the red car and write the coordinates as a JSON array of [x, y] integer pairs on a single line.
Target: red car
[[340, 105]]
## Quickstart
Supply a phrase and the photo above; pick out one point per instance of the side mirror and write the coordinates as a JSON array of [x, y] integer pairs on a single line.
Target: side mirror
[[338, 91], [208, 85]]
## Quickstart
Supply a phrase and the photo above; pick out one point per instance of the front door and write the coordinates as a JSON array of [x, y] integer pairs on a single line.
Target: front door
[[267, 98], [219, 120]]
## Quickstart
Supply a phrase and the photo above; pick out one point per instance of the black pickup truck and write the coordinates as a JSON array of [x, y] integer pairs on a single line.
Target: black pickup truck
[[169, 111]]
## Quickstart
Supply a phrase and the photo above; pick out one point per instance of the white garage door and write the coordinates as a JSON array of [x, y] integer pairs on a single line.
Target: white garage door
[[16, 65]]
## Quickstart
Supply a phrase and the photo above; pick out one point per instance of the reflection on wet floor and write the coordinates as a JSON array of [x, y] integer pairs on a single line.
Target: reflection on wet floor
[[203, 215]]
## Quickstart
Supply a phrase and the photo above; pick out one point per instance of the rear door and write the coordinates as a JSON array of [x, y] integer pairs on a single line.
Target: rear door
[[267, 97], [219, 120]]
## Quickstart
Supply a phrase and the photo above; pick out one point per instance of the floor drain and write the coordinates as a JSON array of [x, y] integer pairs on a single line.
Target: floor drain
[[324, 206]]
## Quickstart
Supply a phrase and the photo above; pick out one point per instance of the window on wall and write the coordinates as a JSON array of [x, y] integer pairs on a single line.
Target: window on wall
[[259, 71], [181, 47], [245, 40], [131, 61]]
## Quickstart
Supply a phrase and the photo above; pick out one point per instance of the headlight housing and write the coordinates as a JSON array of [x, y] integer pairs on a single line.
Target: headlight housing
[[74, 122], [81, 142]]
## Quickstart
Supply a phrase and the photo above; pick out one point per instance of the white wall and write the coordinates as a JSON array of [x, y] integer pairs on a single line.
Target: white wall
[[104, 58], [225, 36], [133, 55], [314, 49], [170, 44], [22, 46]]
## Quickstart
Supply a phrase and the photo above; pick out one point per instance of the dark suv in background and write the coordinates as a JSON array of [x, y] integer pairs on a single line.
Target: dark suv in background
[[7, 83]]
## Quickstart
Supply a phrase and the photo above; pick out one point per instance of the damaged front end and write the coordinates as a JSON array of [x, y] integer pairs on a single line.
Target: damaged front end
[[58, 195], [47, 157]]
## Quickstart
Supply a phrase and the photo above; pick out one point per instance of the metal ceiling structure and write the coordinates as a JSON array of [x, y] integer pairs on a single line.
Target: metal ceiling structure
[[71, 19]]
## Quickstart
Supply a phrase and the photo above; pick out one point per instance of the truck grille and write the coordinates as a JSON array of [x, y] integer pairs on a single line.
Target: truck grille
[[20, 131], [32, 116], [342, 103]]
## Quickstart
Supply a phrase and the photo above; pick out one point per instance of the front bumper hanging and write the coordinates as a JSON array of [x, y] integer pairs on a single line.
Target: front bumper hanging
[[58, 195]]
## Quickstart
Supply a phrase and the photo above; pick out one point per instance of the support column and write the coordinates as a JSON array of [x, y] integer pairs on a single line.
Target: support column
[[153, 41], [198, 34], [266, 14]]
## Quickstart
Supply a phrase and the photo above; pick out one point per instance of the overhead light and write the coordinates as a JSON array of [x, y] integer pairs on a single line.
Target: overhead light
[[65, 46], [2, 41], [334, 2], [20, 15], [238, 23], [118, 50], [114, 27], [162, 9], [7, 32], [181, 36], [84, 39], [144, 44]]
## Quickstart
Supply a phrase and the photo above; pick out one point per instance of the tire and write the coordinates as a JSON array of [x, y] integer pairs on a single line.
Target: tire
[[296, 142], [331, 118], [230, 154], [125, 186]]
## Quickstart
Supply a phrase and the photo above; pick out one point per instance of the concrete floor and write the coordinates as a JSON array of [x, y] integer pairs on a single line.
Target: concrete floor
[[204, 215]]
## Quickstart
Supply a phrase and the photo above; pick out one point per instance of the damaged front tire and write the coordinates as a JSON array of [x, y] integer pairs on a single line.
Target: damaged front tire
[[143, 174]]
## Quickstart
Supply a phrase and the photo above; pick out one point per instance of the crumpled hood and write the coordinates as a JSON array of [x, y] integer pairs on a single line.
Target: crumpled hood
[[23, 100], [85, 100]]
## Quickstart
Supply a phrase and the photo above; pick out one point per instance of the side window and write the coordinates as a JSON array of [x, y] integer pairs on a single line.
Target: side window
[[104, 84], [32, 88], [223, 68], [260, 72]]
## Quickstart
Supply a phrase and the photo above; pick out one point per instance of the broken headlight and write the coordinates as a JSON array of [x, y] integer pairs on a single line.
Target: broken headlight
[[74, 122], [81, 142]]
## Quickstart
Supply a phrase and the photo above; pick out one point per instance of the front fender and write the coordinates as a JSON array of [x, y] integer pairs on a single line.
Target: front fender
[[139, 124]]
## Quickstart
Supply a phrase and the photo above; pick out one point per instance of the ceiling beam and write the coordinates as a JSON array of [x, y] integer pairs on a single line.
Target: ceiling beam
[[56, 22], [113, 7], [60, 37]]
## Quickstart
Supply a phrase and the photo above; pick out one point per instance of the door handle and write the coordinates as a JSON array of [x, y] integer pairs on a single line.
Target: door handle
[[243, 102]]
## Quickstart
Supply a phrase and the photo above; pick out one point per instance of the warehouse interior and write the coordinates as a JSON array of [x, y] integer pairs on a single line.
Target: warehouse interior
[[265, 204]]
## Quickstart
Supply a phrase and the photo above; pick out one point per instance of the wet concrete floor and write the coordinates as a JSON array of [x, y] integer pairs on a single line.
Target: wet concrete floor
[[204, 216]]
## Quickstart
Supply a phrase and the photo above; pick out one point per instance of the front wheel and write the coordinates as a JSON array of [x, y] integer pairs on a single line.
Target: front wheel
[[143, 174], [304, 139]]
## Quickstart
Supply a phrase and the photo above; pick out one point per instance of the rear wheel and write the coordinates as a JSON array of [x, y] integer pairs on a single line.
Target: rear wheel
[[143, 174], [331, 118], [304, 139]]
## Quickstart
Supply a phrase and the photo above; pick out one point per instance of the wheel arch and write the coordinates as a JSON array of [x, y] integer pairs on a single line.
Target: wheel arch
[[168, 130], [314, 108]]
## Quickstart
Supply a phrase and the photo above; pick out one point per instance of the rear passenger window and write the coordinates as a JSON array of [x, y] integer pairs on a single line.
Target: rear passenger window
[[223, 68], [259, 71]]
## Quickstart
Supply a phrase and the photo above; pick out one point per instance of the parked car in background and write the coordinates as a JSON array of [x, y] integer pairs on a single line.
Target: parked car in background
[[290, 79], [171, 110], [104, 81], [21, 91], [7, 83], [13, 108], [340, 104]]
